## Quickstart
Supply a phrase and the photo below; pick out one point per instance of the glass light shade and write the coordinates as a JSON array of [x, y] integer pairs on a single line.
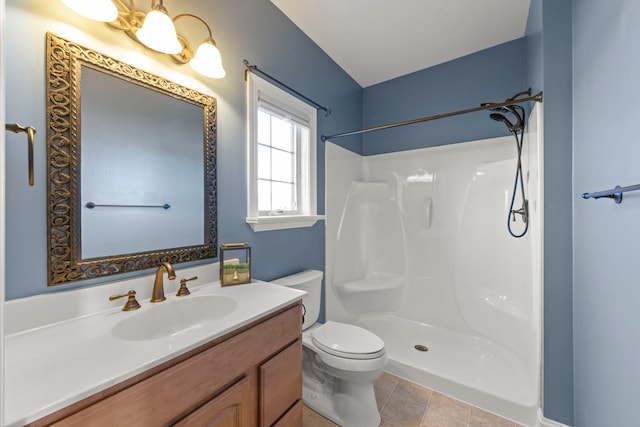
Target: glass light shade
[[98, 10], [207, 61], [159, 33]]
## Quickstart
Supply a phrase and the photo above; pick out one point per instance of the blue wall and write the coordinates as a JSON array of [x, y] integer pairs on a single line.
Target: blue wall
[[558, 279], [493, 74], [605, 153], [251, 29], [534, 47]]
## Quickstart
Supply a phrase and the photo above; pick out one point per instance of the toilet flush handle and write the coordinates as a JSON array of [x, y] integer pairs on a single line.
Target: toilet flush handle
[[304, 313]]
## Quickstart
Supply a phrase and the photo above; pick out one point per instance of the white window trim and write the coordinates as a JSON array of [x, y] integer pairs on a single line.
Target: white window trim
[[257, 87]]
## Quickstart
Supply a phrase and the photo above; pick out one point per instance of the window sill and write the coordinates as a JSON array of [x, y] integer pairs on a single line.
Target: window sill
[[268, 223]]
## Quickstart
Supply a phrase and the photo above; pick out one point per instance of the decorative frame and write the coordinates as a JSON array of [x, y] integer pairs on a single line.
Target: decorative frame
[[65, 263], [235, 264]]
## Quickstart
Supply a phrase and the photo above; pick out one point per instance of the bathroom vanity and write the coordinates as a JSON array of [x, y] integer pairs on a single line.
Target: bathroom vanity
[[243, 369], [241, 377]]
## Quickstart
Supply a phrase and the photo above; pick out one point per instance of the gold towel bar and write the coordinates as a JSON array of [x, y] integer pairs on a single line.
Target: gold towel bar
[[31, 132]]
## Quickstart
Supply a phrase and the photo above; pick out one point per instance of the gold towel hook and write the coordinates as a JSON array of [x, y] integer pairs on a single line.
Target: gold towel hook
[[31, 133]]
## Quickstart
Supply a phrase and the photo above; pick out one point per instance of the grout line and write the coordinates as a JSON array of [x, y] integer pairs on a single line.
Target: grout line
[[389, 396], [424, 416]]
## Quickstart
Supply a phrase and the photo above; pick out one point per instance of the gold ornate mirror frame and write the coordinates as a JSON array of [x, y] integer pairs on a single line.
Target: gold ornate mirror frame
[[65, 263]]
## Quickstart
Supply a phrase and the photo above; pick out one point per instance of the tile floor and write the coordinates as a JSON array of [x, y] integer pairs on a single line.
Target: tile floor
[[405, 404]]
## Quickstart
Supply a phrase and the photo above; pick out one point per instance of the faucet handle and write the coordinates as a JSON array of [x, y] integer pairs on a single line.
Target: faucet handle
[[183, 286], [131, 304]]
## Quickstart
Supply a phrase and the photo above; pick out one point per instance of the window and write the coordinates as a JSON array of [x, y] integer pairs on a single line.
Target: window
[[282, 158]]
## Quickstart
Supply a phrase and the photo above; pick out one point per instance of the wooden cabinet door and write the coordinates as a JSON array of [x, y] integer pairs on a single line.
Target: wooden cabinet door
[[233, 408], [280, 383]]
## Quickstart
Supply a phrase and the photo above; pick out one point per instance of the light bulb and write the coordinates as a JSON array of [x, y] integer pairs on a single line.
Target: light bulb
[[159, 33], [207, 60], [98, 10]]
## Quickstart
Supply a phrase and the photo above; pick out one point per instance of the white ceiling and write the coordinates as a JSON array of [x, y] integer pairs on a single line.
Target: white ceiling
[[378, 40]]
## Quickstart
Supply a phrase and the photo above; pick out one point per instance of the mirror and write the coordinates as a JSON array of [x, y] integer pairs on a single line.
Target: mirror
[[131, 167]]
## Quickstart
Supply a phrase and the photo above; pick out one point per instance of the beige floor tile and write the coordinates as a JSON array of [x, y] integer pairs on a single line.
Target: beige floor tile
[[310, 418], [383, 387], [412, 392], [386, 380], [405, 414], [406, 405], [441, 418], [480, 418], [442, 406], [387, 423]]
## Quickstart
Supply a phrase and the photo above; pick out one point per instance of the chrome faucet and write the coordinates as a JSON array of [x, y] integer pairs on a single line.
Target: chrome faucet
[[157, 295]]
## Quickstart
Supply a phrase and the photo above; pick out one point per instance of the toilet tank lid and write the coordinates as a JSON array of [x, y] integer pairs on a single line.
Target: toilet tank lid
[[296, 279]]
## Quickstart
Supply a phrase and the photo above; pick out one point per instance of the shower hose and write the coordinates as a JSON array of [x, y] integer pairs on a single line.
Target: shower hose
[[518, 179]]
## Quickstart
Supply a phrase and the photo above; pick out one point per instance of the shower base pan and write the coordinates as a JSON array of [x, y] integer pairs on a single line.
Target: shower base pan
[[467, 367]]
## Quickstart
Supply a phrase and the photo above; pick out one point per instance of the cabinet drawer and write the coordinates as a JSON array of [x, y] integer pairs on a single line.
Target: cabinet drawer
[[293, 417], [280, 383]]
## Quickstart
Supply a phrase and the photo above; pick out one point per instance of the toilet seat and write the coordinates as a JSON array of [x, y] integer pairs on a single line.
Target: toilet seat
[[347, 341]]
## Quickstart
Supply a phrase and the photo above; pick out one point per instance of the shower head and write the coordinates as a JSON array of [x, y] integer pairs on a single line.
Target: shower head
[[501, 118]]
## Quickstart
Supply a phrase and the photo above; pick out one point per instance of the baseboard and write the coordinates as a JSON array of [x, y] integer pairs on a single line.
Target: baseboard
[[545, 422]]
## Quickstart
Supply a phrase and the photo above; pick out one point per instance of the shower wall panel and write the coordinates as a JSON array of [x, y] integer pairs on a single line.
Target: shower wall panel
[[463, 270], [346, 167]]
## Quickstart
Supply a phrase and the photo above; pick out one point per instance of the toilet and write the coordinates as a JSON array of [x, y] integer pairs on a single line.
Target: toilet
[[339, 361]]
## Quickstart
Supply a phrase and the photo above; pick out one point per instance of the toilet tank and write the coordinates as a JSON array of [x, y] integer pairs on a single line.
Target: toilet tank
[[311, 282]]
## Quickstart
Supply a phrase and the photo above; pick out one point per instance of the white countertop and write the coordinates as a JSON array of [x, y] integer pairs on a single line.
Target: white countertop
[[52, 366]]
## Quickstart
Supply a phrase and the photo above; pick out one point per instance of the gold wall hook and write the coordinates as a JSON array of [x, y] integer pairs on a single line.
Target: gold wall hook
[[31, 133]]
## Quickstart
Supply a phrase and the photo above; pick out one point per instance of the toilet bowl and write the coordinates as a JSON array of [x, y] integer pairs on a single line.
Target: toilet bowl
[[340, 361]]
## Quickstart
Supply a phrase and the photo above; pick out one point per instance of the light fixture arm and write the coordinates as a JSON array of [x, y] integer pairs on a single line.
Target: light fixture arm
[[129, 18], [158, 5], [187, 52], [183, 15]]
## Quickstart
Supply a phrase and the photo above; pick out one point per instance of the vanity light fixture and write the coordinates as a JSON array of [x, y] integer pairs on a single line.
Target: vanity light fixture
[[155, 30]]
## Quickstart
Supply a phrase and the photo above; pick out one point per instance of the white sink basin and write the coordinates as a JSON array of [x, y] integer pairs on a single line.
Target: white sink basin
[[174, 317]]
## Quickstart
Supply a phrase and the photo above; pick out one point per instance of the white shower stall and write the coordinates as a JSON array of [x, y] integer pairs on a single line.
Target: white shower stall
[[418, 252]]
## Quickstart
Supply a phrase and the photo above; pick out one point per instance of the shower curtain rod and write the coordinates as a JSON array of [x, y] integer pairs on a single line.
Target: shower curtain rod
[[487, 106], [255, 69]]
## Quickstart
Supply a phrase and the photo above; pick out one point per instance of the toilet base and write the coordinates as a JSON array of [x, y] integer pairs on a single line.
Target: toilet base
[[350, 404]]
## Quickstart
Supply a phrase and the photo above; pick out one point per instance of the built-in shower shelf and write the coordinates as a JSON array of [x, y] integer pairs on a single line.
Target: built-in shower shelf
[[373, 283]]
